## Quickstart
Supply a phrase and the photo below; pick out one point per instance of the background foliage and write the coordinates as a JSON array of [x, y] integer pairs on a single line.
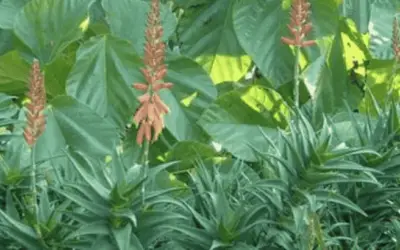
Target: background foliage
[[237, 167]]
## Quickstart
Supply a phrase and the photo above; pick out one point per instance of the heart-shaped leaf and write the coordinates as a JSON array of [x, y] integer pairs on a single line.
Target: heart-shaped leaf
[[380, 28], [8, 11], [238, 120], [107, 66], [128, 20], [206, 34], [102, 77], [260, 25], [47, 27], [14, 73]]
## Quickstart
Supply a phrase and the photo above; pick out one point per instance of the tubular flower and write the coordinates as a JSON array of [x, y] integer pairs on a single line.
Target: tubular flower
[[395, 39], [299, 27], [149, 115], [36, 121]]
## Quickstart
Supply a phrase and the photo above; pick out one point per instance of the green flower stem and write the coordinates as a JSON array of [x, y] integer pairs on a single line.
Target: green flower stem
[[33, 203], [391, 81], [145, 167], [297, 77]]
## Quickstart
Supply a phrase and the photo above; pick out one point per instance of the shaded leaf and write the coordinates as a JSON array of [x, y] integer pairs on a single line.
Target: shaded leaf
[[47, 27], [206, 34], [127, 20]]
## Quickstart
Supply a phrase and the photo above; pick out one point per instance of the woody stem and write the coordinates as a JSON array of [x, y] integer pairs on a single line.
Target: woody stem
[[297, 77]]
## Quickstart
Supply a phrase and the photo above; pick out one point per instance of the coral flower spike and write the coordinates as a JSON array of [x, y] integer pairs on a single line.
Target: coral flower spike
[[299, 27], [149, 115], [36, 122]]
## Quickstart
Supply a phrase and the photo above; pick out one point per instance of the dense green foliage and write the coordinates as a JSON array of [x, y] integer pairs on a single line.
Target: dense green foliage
[[238, 165]]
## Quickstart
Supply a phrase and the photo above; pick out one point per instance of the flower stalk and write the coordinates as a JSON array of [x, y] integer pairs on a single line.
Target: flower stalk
[[299, 27], [149, 115], [35, 127], [396, 52], [396, 39]]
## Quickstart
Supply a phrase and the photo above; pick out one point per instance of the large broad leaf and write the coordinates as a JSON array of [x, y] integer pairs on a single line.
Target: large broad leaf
[[68, 123], [318, 80], [102, 77], [359, 11], [7, 107], [14, 73], [56, 73], [206, 34], [47, 27], [82, 129], [261, 24], [326, 78], [324, 17], [8, 11], [192, 93], [188, 153], [380, 28], [6, 37], [380, 74], [354, 45], [238, 120], [128, 20], [107, 66]]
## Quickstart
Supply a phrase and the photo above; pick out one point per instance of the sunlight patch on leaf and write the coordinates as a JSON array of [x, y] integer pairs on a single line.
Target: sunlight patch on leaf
[[85, 24], [108, 159], [223, 68], [265, 100], [188, 100], [207, 36], [354, 48], [379, 74]]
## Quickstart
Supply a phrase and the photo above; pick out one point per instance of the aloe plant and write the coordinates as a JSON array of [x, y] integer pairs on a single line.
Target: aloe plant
[[199, 124]]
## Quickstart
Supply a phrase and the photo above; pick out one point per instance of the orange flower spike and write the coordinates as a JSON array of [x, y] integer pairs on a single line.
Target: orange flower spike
[[159, 86], [149, 115], [36, 122], [158, 126], [160, 74], [288, 41], [144, 98], [141, 113], [160, 104], [147, 130], [298, 26], [140, 86], [308, 43], [306, 29]]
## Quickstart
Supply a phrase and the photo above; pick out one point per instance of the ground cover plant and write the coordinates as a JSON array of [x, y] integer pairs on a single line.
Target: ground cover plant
[[199, 124]]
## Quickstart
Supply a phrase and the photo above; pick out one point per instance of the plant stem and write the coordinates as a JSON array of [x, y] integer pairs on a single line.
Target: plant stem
[[391, 82], [297, 77], [164, 140], [34, 204], [145, 166]]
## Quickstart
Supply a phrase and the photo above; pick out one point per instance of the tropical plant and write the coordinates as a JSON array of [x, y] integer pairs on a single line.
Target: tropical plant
[[199, 124]]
